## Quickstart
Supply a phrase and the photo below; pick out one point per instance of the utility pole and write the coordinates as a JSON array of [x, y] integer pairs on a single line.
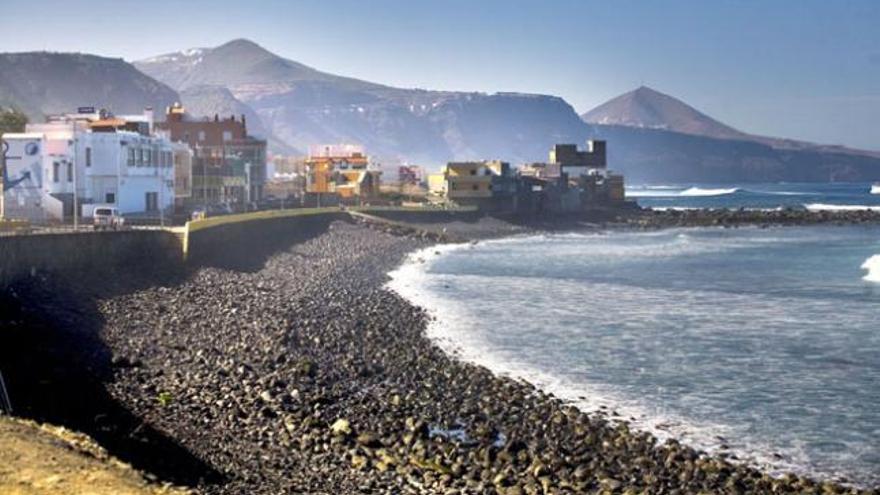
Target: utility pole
[[3, 147], [75, 183], [162, 183]]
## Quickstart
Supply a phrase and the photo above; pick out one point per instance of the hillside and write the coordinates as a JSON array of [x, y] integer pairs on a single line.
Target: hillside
[[658, 156], [40, 83], [304, 106]]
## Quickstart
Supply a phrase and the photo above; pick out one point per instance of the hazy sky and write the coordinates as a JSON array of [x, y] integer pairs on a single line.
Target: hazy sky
[[803, 69]]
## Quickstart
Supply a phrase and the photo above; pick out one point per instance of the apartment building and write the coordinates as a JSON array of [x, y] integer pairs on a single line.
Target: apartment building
[[74, 162], [228, 165]]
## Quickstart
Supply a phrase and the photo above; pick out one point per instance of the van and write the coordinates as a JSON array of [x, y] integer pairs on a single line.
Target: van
[[106, 218]]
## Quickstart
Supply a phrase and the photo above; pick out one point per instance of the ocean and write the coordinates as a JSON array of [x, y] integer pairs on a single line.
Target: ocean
[[758, 344], [812, 196]]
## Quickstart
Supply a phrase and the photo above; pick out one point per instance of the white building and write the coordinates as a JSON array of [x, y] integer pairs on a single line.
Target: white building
[[90, 159]]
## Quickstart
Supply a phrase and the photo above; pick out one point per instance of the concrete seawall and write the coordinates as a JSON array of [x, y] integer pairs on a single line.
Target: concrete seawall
[[88, 255], [244, 242], [238, 242]]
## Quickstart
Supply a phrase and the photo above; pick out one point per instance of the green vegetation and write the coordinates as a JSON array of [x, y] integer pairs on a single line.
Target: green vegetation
[[12, 120], [164, 398]]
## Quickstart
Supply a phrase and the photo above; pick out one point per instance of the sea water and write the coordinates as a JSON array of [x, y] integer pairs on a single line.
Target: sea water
[[811, 196], [763, 344]]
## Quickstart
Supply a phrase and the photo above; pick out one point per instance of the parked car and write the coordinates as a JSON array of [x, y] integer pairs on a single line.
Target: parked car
[[198, 213], [107, 219], [271, 203]]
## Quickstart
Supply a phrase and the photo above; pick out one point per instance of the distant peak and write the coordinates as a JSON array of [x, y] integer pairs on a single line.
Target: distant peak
[[241, 43], [647, 91], [648, 108]]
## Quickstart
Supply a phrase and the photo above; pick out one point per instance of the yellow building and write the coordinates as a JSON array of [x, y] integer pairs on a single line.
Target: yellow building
[[437, 184], [341, 169], [490, 185], [474, 179]]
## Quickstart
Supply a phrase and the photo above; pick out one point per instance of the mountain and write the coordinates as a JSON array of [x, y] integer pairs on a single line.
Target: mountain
[[647, 108], [652, 137], [41, 83], [657, 138], [303, 106], [650, 109]]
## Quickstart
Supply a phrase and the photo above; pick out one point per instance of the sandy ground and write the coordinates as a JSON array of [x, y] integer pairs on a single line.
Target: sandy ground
[[49, 460]]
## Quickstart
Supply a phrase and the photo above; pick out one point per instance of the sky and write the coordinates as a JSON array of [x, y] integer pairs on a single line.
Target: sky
[[802, 69]]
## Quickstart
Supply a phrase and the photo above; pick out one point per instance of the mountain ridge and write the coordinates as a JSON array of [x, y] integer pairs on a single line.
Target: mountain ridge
[[42, 83], [302, 106], [295, 106]]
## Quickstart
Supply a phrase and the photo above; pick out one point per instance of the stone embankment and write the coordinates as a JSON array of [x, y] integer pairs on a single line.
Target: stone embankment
[[733, 218]]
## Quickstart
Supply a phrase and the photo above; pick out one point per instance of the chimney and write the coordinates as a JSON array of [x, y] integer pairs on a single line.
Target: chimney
[[148, 114]]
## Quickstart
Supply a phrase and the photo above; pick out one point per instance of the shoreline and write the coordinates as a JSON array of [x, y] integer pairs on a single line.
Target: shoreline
[[710, 438], [309, 375]]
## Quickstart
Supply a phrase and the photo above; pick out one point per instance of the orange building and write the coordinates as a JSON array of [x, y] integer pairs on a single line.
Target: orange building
[[341, 169]]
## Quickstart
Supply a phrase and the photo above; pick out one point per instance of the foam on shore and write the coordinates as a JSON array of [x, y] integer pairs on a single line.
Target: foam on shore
[[835, 207], [450, 327]]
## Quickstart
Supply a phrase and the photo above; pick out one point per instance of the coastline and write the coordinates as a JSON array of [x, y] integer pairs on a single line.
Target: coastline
[[465, 331], [310, 375]]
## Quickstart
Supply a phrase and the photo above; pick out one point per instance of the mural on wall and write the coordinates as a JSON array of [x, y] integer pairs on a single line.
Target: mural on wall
[[23, 177]]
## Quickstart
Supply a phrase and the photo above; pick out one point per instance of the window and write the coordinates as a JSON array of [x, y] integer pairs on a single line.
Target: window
[[69, 171], [55, 171], [140, 157], [148, 157], [227, 135], [201, 135], [152, 201], [130, 157], [474, 172], [110, 198], [476, 187], [88, 156]]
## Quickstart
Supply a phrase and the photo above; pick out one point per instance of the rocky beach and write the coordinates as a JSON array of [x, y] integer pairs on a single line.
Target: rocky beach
[[306, 375]]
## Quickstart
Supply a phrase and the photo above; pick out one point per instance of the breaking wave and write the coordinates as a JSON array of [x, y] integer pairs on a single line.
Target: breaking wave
[[875, 189], [872, 264], [699, 191]]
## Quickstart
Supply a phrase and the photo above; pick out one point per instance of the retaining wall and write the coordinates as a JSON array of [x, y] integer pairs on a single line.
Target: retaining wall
[[239, 242], [243, 242], [89, 256]]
